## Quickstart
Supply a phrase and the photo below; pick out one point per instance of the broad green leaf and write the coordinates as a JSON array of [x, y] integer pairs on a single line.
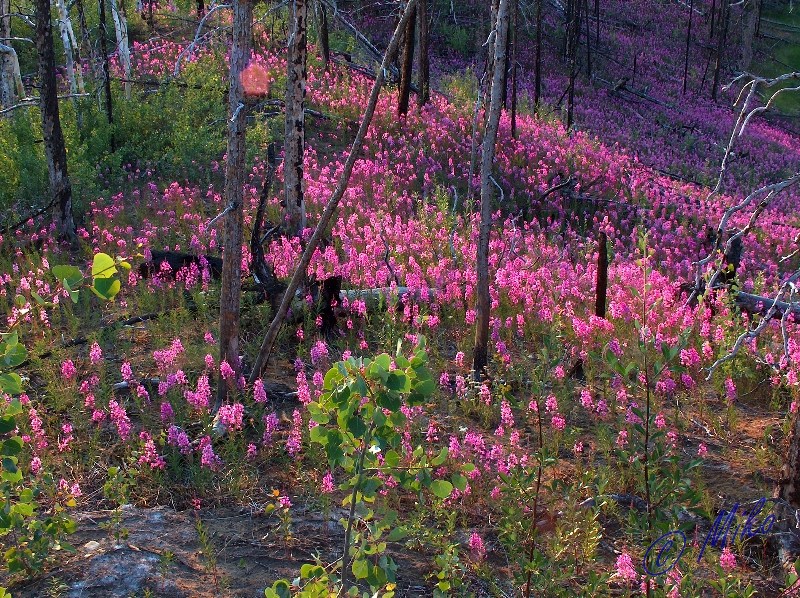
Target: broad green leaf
[[14, 355], [360, 568], [70, 276], [106, 288], [103, 266], [441, 488], [11, 383], [399, 382], [459, 481], [7, 424], [384, 361]]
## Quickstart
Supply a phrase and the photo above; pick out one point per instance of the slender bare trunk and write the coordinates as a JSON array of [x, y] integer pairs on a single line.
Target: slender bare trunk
[[324, 41], [688, 42], [574, 36], [724, 17], [234, 188], [201, 9], [483, 304], [601, 290], [333, 202], [11, 87], [423, 54], [513, 36], [588, 40], [404, 93], [106, 69], [74, 72], [121, 29], [537, 86], [54, 148], [295, 118]]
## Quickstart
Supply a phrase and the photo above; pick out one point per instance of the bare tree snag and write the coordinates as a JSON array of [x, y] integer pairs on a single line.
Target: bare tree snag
[[601, 290], [324, 41], [573, 41], [74, 75], [11, 87], [333, 202], [106, 68], [688, 42], [121, 29], [537, 86], [423, 54], [296, 77], [480, 356], [54, 148], [404, 92], [588, 41], [724, 17], [201, 9], [234, 187], [513, 37]]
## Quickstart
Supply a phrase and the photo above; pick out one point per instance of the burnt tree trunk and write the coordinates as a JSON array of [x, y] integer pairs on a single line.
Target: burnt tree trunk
[[54, 148], [537, 85], [423, 54], [106, 69], [601, 288], [324, 41], [295, 117], [234, 184], [302, 267], [406, 68], [588, 40], [201, 9], [574, 35], [513, 35], [724, 17], [480, 357], [688, 42]]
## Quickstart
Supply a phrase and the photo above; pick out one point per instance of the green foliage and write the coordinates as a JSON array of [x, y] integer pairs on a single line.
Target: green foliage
[[27, 535], [359, 417]]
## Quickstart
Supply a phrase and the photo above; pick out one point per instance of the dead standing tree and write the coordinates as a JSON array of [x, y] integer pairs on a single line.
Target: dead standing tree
[[234, 186], [333, 202], [784, 304], [406, 68], [480, 354], [296, 77], [54, 148]]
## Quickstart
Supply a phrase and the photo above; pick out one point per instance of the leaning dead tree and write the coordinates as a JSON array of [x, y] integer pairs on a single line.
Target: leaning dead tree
[[333, 202], [480, 354]]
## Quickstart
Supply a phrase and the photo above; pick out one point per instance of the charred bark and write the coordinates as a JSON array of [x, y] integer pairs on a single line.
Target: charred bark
[[234, 186], [295, 118], [404, 93], [423, 54], [324, 41], [483, 303], [601, 290], [54, 148], [106, 69]]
